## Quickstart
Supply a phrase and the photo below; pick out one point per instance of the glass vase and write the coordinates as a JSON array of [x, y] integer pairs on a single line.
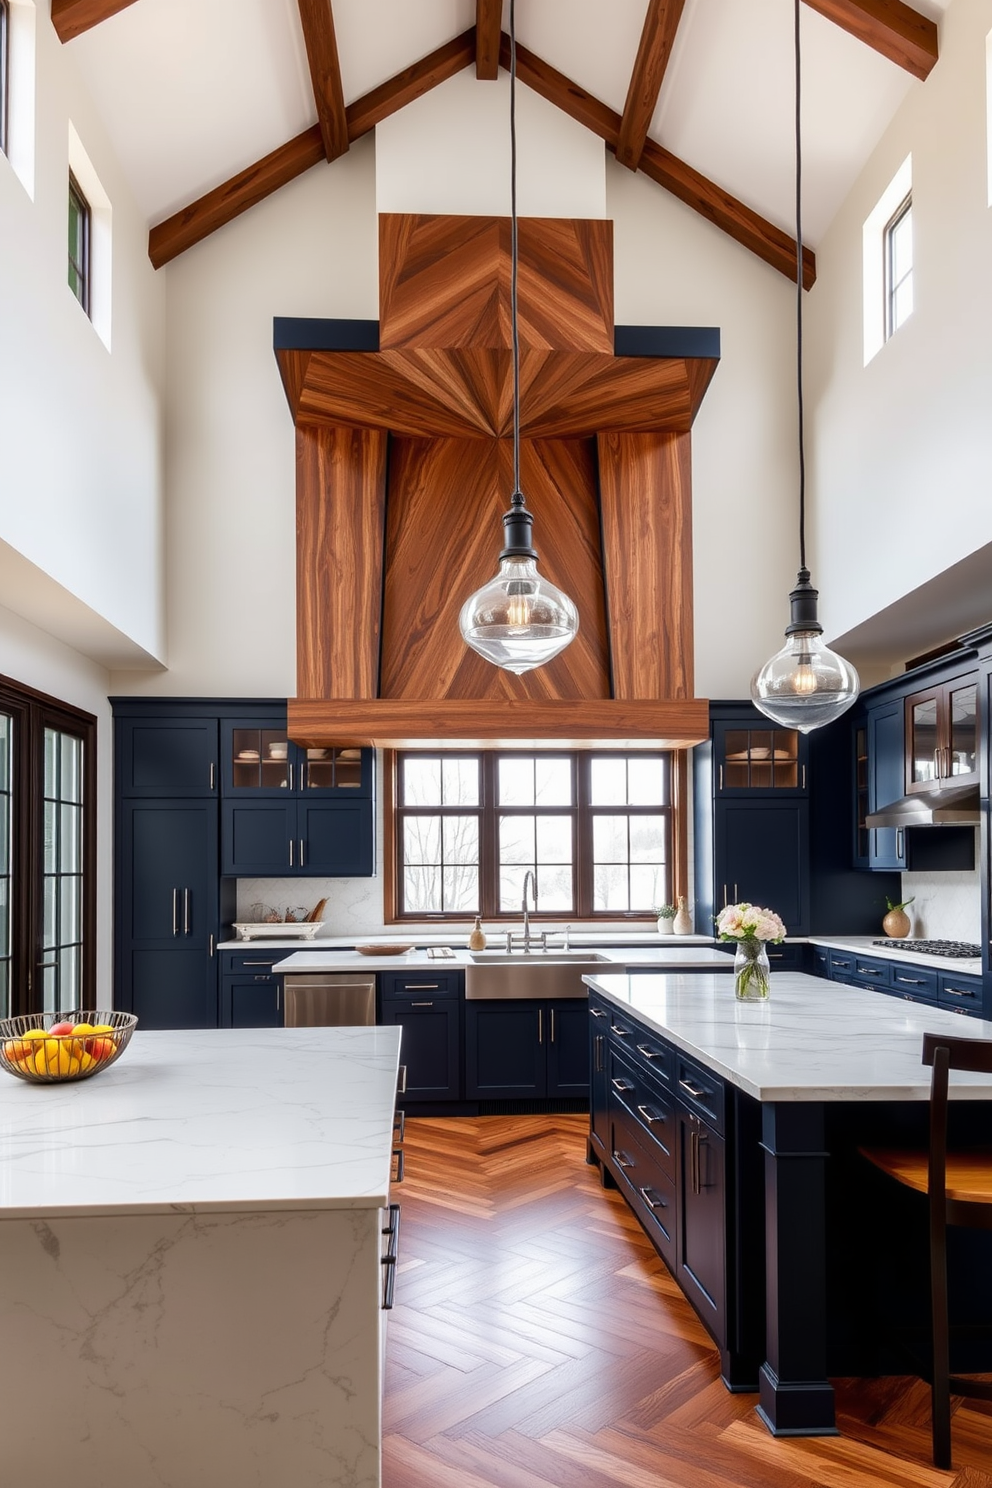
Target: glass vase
[[751, 970]]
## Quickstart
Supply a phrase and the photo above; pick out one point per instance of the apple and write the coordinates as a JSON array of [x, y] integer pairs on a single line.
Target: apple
[[59, 1030]]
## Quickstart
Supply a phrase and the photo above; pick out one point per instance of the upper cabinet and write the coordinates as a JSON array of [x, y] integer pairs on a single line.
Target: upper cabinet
[[259, 760], [763, 760], [942, 734], [167, 755]]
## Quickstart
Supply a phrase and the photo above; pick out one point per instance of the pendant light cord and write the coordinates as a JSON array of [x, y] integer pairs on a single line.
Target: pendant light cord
[[799, 297], [517, 499]]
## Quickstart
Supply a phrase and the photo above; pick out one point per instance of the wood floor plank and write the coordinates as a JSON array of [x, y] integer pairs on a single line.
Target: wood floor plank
[[538, 1341]]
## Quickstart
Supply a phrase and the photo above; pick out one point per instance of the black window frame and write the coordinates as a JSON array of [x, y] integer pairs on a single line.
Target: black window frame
[[81, 267], [4, 73], [890, 285], [488, 812], [32, 713]]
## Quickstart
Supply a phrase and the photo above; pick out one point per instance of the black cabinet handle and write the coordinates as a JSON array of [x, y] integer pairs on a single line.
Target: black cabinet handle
[[392, 1229], [647, 1116], [621, 1085], [650, 1053], [652, 1199]]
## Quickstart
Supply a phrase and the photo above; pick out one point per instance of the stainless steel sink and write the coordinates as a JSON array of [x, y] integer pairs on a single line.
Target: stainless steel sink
[[497, 976], [535, 957]]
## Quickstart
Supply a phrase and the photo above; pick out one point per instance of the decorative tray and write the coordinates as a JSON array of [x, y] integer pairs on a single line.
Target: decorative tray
[[279, 930]]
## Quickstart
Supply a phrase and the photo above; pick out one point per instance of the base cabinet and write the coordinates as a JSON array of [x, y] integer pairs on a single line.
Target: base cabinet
[[527, 1049], [431, 1045], [701, 1264]]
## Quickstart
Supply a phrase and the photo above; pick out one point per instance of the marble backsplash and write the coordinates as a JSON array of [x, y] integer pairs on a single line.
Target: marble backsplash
[[946, 906]]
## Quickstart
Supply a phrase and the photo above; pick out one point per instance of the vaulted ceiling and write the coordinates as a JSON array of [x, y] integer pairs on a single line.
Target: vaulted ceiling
[[214, 104]]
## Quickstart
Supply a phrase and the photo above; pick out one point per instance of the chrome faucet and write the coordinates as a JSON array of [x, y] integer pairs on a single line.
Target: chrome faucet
[[528, 877]]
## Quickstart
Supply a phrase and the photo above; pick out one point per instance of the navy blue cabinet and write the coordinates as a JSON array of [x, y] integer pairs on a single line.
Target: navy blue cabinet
[[886, 782], [599, 1079], [167, 756], [430, 1047], [761, 850], [526, 1049], [167, 912], [250, 995]]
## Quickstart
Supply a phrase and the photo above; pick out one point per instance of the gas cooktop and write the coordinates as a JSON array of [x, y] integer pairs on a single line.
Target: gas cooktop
[[959, 949]]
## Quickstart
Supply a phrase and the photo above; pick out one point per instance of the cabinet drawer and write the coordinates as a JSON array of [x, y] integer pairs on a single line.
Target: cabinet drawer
[[420, 984], [788, 957], [872, 973], [645, 1110], [253, 962], [653, 1055], [841, 964], [962, 993], [622, 1030], [650, 1190], [699, 1090], [821, 961], [914, 981]]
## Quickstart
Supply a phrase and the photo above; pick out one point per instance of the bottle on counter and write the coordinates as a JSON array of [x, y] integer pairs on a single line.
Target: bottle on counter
[[683, 919], [477, 939]]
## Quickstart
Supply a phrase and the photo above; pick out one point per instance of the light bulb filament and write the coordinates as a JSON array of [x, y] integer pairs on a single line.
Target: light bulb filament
[[804, 680]]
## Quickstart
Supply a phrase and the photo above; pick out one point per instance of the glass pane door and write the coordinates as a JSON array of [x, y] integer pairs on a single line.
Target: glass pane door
[[62, 873], [923, 740], [963, 729]]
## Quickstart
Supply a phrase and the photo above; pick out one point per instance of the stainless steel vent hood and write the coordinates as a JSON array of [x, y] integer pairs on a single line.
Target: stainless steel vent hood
[[955, 805]]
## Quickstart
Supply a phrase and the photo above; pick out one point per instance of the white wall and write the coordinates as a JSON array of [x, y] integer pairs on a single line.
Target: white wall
[[902, 449], [80, 449], [31, 656], [310, 250]]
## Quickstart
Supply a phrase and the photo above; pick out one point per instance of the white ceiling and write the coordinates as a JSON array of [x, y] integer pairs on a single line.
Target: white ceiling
[[192, 91]]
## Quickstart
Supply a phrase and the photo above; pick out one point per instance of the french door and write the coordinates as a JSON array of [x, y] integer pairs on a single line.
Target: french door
[[47, 853]]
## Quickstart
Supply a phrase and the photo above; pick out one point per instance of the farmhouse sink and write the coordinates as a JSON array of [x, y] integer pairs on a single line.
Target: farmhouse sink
[[499, 977], [526, 958]]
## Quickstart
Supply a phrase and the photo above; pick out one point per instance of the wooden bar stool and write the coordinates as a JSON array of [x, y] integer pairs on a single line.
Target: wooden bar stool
[[959, 1186]]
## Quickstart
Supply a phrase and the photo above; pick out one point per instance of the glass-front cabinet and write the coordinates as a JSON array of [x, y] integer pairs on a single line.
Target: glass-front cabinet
[[942, 735], [763, 760], [262, 761]]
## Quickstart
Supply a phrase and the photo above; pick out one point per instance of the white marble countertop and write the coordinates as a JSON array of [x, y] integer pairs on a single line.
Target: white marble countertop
[[208, 1120], [864, 945], [457, 935], [660, 956], [812, 1040]]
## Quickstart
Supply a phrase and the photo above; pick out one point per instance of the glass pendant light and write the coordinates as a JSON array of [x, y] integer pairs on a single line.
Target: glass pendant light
[[805, 685], [519, 620]]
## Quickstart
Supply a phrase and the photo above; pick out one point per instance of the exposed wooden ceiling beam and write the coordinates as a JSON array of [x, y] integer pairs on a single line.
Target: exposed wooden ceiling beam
[[657, 39], [72, 17], [202, 217], [890, 27], [317, 20], [725, 211], [488, 19]]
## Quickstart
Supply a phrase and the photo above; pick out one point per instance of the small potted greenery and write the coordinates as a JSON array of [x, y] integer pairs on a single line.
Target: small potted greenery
[[896, 923], [666, 918]]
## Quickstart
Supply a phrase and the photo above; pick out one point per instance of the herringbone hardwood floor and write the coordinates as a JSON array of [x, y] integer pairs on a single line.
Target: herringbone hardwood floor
[[538, 1342]]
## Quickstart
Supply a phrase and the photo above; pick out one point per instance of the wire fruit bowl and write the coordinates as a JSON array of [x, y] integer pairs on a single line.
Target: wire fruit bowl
[[31, 1051]]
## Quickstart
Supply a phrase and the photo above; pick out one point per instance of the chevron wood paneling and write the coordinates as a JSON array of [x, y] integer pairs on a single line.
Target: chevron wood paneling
[[538, 1342], [341, 492], [445, 282], [646, 497], [443, 536]]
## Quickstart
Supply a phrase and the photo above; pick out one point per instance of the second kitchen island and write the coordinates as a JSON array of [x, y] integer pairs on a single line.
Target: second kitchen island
[[732, 1130]]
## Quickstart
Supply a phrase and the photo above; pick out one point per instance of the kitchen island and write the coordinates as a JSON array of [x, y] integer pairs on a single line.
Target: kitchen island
[[192, 1274], [732, 1130]]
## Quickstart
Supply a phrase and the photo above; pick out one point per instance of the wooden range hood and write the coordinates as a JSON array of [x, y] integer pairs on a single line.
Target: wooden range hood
[[404, 456]]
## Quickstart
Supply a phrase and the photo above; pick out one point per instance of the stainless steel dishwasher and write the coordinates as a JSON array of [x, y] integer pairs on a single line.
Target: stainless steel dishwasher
[[323, 999]]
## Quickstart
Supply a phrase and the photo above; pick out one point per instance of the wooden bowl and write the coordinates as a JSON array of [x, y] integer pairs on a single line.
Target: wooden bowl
[[386, 948]]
